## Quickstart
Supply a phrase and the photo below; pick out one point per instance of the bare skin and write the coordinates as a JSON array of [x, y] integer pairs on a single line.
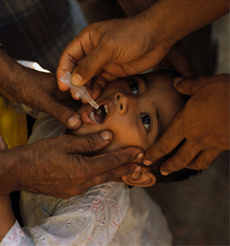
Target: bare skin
[[121, 47], [57, 166], [203, 122], [39, 167], [35, 89]]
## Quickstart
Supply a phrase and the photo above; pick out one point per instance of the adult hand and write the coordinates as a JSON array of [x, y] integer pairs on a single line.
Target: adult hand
[[117, 48], [128, 46], [203, 125], [35, 89], [59, 166], [114, 48], [177, 59]]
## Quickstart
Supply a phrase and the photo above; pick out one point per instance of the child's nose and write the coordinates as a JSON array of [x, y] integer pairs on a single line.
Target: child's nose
[[123, 102]]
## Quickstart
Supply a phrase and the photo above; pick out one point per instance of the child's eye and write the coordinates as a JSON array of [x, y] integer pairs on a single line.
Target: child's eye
[[145, 121], [134, 87]]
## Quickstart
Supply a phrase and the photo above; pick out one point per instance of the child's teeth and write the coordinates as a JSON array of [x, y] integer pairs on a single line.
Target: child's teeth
[[92, 117], [106, 108]]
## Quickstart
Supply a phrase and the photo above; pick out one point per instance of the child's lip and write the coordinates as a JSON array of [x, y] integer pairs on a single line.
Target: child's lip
[[85, 115]]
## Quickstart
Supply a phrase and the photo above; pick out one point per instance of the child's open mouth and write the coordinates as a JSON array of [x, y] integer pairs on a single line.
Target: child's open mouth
[[99, 114], [94, 116]]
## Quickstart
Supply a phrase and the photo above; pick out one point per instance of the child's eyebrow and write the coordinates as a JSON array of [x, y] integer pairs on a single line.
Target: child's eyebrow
[[145, 80]]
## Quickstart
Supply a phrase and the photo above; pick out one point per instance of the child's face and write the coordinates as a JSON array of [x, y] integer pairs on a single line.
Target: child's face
[[139, 108]]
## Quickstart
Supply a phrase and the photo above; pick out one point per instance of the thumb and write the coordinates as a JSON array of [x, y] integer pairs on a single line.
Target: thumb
[[63, 113], [186, 86], [90, 66]]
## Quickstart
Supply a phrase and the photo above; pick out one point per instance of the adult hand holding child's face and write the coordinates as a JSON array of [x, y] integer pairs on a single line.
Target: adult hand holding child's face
[[203, 125], [59, 166]]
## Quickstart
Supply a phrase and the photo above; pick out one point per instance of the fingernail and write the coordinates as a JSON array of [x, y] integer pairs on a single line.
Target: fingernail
[[76, 79], [147, 162], [106, 135], [137, 169], [178, 80], [74, 122], [164, 173], [139, 155]]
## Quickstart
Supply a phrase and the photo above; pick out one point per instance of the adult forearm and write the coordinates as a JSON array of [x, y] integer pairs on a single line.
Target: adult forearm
[[11, 170], [6, 68], [134, 7], [174, 19]]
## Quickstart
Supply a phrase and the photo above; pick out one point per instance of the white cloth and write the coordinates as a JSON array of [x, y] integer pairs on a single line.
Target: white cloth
[[107, 214]]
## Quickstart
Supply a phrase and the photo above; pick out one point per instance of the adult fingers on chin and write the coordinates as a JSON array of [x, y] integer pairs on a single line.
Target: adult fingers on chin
[[91, 142], [112, 160], [125, 169]]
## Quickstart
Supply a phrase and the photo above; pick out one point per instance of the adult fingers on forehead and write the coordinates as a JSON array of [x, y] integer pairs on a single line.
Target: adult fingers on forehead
[[182, 157], [193, 85], [203, 160], [114, 159], [180, 60]]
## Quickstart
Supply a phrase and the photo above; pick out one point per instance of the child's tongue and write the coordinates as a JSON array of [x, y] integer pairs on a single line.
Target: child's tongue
[[100, 114]]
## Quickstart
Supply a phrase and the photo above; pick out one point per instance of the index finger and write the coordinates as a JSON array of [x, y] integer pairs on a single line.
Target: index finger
[[108, 161], [166, 144], [69, 57]]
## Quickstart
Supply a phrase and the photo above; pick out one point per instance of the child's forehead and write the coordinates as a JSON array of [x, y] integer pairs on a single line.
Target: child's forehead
[[161, 76], [161, 82]]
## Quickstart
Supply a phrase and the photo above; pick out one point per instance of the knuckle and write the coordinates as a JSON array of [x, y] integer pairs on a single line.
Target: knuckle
[[82, 171], [90, 142], [86, 65], [114, 161], [163, 149], [199, 165], [176, 164], [110, 43]]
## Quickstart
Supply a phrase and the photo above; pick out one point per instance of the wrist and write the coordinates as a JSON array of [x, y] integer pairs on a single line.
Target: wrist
[[162, 25], [11, 169], [6, 67]]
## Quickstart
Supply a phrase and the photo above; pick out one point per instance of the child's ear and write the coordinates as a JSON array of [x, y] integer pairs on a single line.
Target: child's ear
[[140, 177]]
